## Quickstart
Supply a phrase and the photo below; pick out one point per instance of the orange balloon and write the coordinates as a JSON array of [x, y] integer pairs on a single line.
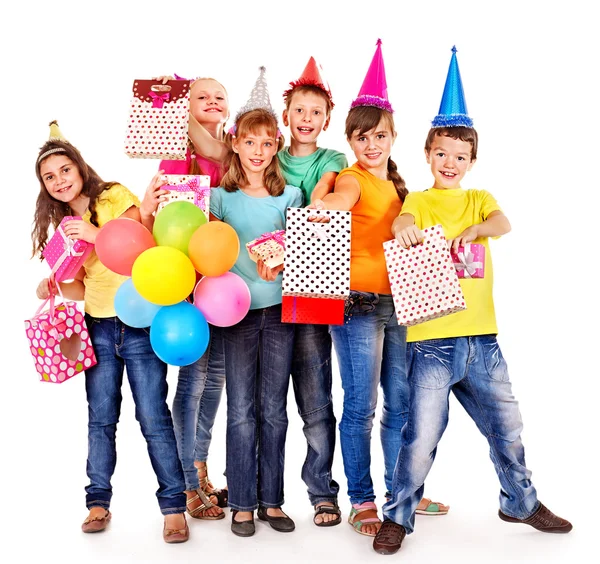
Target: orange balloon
[[214, 247]]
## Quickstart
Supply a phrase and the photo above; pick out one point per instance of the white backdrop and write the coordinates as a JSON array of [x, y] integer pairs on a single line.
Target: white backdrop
[[527, 70]]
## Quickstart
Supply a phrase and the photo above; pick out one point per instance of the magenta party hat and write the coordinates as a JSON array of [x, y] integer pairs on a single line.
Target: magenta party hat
[[453, 108], [373, 91]]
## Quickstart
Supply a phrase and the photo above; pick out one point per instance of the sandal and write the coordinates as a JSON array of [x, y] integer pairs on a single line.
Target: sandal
[[208, 488], [199, 512], [328, 510], [357, 509], [432, 507]]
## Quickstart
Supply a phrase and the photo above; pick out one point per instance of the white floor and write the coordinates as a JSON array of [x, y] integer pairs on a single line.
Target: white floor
[[43, 497]]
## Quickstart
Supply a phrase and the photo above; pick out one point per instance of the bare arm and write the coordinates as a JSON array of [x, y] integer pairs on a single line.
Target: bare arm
[[344, 196], [72, 290], [324, 186], [495, 225], [205, 144]]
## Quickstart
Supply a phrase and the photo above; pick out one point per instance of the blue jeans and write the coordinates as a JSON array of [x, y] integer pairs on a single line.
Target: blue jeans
[[117, 347], [258, 360], [371, 350], [311, 378], [197, 398], [474, 369]]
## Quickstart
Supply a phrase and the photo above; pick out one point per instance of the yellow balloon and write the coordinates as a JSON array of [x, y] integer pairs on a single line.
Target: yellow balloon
[[163, 275]]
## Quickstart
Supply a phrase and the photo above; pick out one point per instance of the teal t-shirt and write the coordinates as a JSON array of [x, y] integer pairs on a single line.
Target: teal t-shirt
[[251, 217], [305, 172]]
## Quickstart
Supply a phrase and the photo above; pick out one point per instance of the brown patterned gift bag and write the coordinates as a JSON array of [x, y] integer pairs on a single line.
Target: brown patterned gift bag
[[159, 113]]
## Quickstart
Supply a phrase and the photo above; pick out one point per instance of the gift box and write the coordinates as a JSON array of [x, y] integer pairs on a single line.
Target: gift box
[[188, 188], [269, 247], [469, 261], [66, 256], [157, 126], [296, 309], [423, 279], [317, 258], [59, 342]]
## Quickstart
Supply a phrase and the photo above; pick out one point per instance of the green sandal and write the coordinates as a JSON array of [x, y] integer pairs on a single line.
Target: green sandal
[[357, 524]]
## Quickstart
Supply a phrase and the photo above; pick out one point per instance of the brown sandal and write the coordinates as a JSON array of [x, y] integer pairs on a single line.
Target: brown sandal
[[207, 486], [96, 524], [199, 512]]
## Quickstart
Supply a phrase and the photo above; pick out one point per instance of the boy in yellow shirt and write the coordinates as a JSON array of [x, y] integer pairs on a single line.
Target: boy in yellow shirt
[[458, 352]]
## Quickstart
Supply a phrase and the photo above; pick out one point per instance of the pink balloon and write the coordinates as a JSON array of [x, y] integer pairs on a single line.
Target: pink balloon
[[120, 241], [224, 300]]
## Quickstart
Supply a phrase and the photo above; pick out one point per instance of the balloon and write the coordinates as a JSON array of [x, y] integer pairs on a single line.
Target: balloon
[[120, 241], [214, 248], [131, 308], [163, 275], [179, 334], [224, 300], [176, 223]]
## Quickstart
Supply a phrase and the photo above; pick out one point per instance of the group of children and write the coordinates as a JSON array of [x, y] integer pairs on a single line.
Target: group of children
[[255, 179]]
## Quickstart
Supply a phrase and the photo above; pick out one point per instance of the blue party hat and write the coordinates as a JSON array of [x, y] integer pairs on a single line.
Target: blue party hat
[[453, 109]]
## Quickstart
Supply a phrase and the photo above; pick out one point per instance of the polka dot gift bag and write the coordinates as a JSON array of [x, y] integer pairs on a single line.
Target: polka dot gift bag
[[59, 342], [316, 277], [423, 279], [157, 126]]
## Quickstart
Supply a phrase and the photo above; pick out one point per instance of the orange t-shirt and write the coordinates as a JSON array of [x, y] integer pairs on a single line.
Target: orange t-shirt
[[372, 218]]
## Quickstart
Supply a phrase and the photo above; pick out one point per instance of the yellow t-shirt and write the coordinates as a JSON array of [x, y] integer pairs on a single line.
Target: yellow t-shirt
[[372, 218], [455, 210], [101, 284]]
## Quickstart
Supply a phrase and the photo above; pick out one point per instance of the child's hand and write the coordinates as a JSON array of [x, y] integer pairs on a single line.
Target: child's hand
[[79, 229], [266, 273], [46, 288], [409, 236], [317, 205], [164, 79], [467, 236], [154, 195]]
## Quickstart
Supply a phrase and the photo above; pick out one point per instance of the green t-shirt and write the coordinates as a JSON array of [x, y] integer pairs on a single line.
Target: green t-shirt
[[305, 172]]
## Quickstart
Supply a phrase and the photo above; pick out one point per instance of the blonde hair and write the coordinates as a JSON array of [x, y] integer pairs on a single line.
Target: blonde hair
[[252, 122]]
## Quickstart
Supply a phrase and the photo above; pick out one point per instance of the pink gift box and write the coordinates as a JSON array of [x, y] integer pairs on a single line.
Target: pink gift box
[[469, 261], [269, 247], [66, 256], [59, 342], [423, 279], [188, 188]]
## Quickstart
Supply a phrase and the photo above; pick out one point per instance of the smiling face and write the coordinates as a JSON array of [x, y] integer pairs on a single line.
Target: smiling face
[[450, 159], [372, 148], [256, 150], [208, 102], [61, 178], [306, 116]]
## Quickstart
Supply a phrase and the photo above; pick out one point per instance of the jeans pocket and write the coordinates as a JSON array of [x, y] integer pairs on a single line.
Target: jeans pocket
[[431, 364], [360, 303], [494, 361]]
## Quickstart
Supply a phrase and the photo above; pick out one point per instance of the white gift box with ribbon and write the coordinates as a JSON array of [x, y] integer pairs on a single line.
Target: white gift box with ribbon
[[66, 256]]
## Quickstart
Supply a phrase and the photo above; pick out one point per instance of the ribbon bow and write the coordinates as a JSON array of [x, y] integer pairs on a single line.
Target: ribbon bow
[[319, 230], [277, 236], [158, 100], [467, 263]]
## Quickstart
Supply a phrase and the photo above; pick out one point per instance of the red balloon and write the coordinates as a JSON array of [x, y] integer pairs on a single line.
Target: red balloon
[[120, 241]]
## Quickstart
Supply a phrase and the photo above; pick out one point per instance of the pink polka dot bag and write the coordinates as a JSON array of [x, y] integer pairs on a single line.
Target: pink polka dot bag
[[59, 341]]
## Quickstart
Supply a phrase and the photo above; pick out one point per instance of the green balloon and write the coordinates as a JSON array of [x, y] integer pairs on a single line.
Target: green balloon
[[175, 224]]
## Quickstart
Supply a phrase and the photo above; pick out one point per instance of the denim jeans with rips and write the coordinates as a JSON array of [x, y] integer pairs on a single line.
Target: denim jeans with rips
[[371, 351], [474, 369], [120, 348]]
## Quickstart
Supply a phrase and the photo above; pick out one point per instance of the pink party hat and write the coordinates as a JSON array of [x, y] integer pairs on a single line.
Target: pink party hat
[[373, 91]]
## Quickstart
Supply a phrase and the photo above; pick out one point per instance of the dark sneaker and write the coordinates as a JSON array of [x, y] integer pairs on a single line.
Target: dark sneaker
[[542, 520], [389, 538]]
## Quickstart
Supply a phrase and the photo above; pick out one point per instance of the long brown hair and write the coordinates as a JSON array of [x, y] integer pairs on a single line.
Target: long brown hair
[[366, 118], [252, 122], [48, 210]]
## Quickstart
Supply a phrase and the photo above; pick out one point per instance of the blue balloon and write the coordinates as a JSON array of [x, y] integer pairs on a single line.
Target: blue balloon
[[131, 308], [179, 334]]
